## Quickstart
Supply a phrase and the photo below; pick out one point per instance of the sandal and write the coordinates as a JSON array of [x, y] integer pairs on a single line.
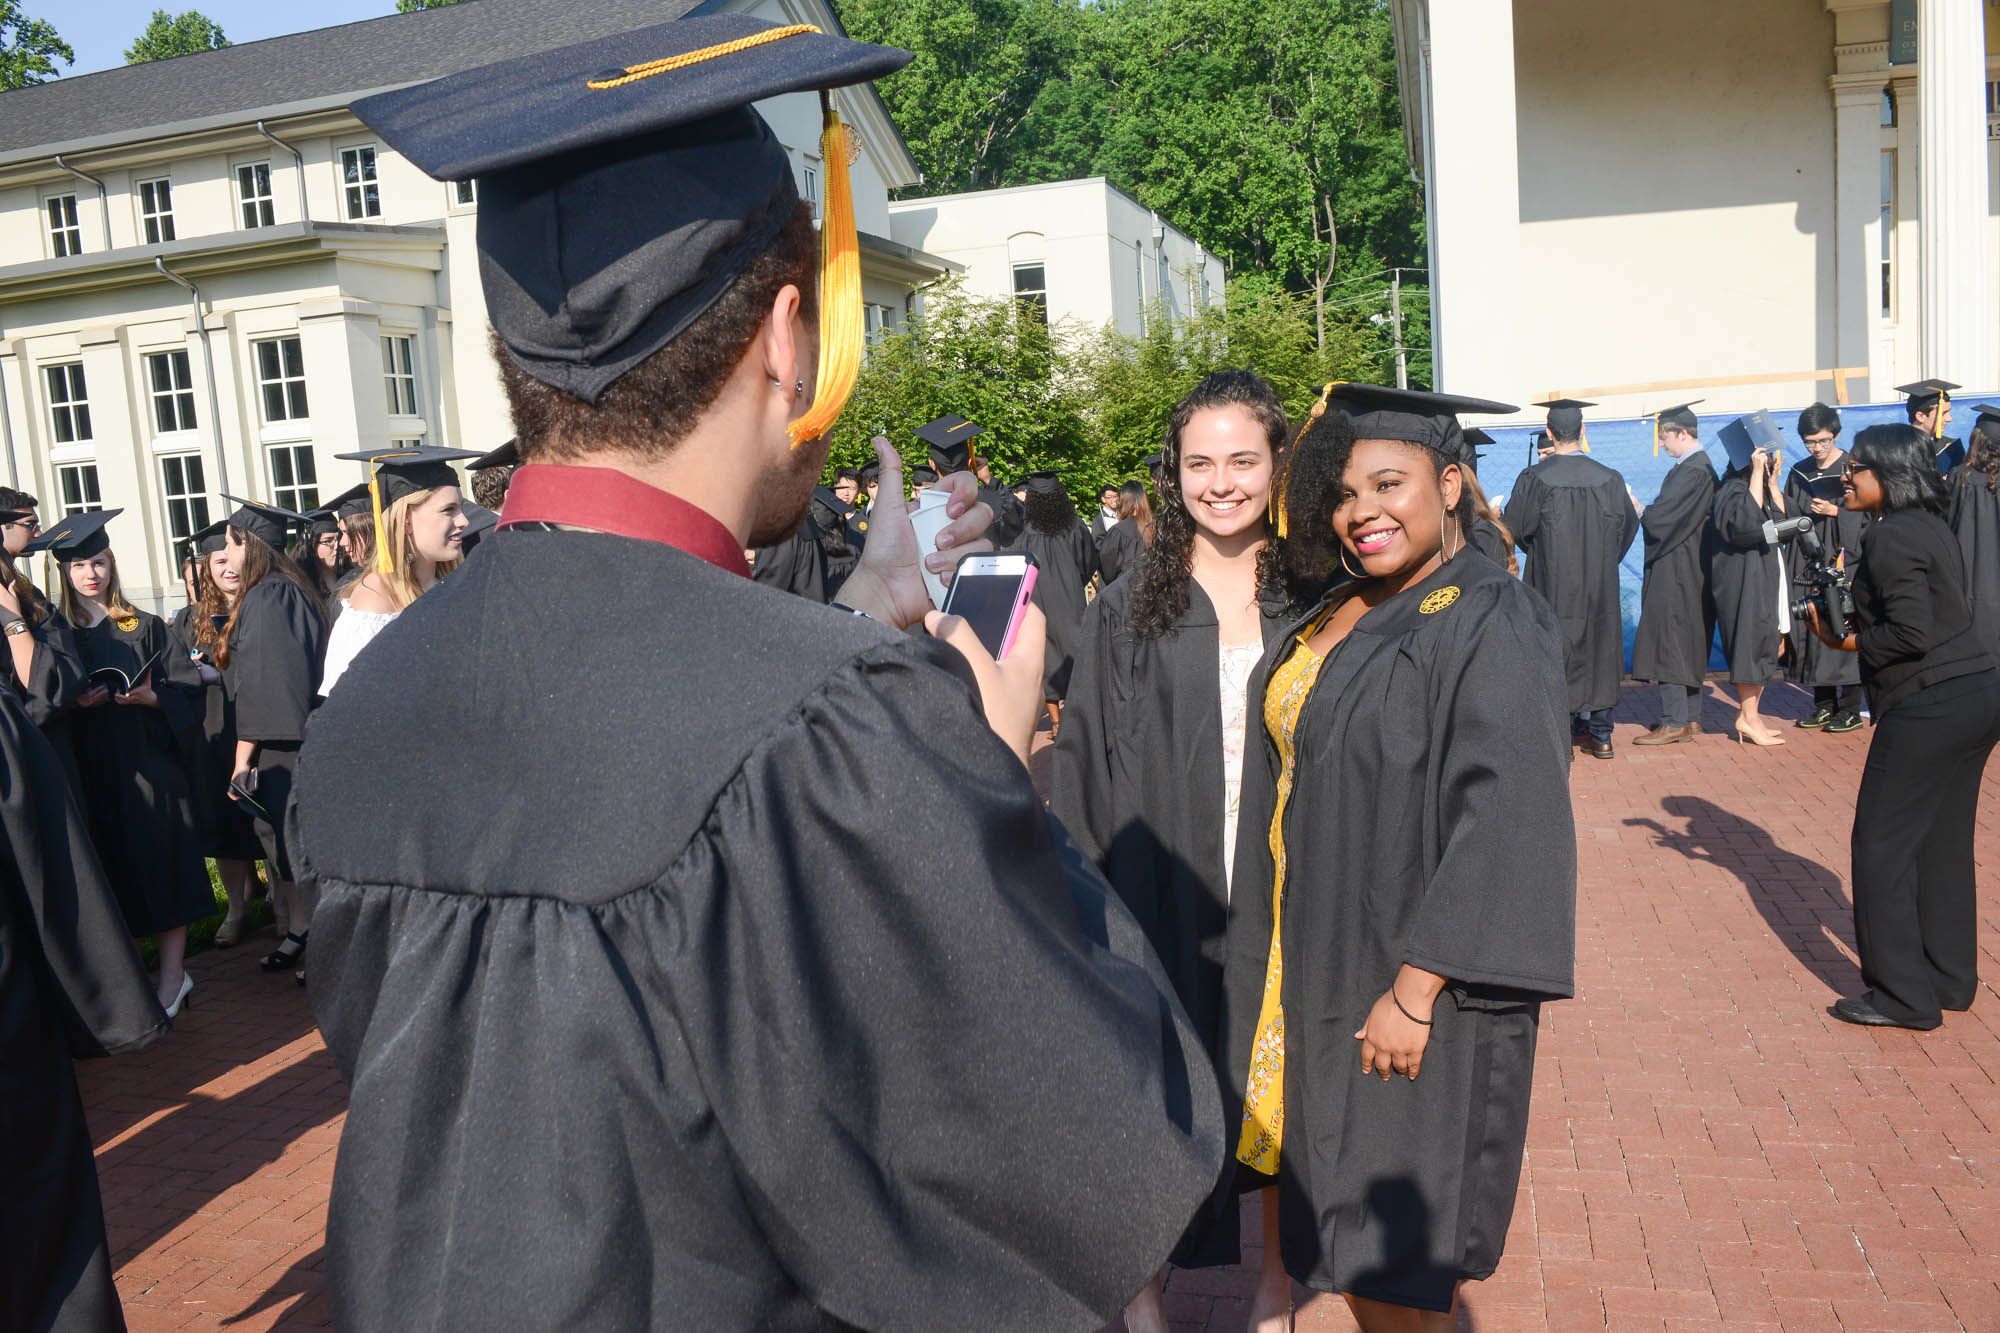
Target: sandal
[[286, 956], [229, 932]]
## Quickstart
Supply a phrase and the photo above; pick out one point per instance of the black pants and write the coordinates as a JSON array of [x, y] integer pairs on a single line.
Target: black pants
[[1914, 903], [1840, 698]]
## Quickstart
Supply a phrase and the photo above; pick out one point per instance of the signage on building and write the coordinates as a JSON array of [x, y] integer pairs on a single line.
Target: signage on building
[[1902, 32]]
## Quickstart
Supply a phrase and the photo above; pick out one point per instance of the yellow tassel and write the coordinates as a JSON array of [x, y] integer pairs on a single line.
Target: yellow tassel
[[1656, 437], [1318, 411], [841, 332], [1937, 416], [383, 565]]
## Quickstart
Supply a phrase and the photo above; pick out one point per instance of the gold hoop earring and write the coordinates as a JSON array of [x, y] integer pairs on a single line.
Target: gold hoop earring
[[1444, 534], [1351, 572]]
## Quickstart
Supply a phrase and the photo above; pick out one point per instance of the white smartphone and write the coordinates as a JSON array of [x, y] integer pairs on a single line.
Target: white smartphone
[[991, 592]]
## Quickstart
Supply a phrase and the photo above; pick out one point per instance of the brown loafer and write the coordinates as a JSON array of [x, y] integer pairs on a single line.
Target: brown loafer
[[1666, 735], [1597, 749]]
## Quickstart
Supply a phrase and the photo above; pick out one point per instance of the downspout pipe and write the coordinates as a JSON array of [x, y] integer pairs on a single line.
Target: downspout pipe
[[207, 365], [103, 196], [298, 165], [7, 436]]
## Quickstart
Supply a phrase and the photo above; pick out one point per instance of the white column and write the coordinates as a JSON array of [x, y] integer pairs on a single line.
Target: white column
[[1474, 188], [1957, 271], [1857, 104]]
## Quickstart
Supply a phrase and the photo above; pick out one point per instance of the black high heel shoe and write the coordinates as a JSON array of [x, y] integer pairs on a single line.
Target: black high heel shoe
[[284, 958]]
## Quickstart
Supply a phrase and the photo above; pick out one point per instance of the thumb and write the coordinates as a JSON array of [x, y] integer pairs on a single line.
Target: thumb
[[891, 463], [955, 631], [1361, 1034]]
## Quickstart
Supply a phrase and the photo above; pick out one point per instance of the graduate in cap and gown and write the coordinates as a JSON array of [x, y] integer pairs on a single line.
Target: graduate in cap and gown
[[1929, 409], [136, 729], [71, 987], [1575, 518], [1487, 531], [420, 522], [1752, 600], [270, 651], [796, 565], [491, 472], [354, 513], [316, 549], [1677, 599], [743, 932], [831, 516], [1814, 487], [1161, 685], [1124, 546], [1067, 559], [222, 827], [41, 659], [1974, 514], [949, 439], [1404, 892]]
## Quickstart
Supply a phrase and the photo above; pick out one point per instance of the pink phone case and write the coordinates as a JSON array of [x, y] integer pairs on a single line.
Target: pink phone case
[[1020, 608]]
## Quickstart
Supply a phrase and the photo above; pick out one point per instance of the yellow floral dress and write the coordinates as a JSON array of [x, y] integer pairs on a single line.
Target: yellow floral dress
[[1264, 1102]]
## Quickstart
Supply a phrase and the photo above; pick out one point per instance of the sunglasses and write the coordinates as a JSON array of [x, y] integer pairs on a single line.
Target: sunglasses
[[1849, 469]]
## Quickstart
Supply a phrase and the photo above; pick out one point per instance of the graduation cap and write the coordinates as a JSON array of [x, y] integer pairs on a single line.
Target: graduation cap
[[321, 522], [479, 520], [267, 523], [1680, 416], [1925, 395], [14, 515], [1043, 483], [923, 476], [1154, 463], [625, 183], [825, 498], [1987, 423], [206, 541], [77, 537], [871, 475], [396, 474], [1565, 416], [1473, 440], [351, 502], [507, 455], [1747, 434], [950, 439]]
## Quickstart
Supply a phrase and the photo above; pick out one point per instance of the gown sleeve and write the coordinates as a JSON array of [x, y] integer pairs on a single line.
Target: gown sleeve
[[182, 704], [1524, 508], [56, 675], [935, 1045], [1738, 518], [1628, 517], [99, 984], [1500, 907], [1080, 762], [275, 663], [1676, 510]]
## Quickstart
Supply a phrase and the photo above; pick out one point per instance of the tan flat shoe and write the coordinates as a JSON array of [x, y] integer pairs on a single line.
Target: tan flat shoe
[[229, 932]]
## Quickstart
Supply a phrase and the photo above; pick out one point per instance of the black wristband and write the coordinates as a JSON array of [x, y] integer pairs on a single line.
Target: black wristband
[[1398, 1001]]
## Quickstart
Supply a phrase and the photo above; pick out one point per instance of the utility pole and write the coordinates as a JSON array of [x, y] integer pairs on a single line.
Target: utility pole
[[1396, 315]]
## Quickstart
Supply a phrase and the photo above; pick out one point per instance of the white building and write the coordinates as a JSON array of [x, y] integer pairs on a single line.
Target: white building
[[1743, 200], [1085, 253], [337, 287]]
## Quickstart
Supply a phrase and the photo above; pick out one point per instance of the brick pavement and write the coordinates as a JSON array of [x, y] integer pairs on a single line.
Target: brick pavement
[[1708, 1148]]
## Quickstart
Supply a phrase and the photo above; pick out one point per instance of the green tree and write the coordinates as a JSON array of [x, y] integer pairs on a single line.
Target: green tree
[[169, 35], [29, 48], [412, 6]]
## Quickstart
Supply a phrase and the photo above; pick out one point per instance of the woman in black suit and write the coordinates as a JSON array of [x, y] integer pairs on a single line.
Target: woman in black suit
[[1935, 692]]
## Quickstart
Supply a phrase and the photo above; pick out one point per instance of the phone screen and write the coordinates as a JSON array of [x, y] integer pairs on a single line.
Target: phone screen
[[986, 601]]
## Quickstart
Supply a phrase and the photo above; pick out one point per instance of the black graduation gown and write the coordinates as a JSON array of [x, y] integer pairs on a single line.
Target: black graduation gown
[[1677, 600], [1429, 823], [1066, 563], [134, 763], [796, 565], [1975, 520], [1138, 708], [223, 829], [1745, 582], [1120, 549], [1483, 537], [70, 987], [841, 553], [1811, 662], [275, 658], [55, 679], [811, 1012], [1010, 517], [1574, 518]]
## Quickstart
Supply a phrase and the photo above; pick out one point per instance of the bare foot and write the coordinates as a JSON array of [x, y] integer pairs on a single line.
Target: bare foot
[[1271, 1308], [1147, 1312]]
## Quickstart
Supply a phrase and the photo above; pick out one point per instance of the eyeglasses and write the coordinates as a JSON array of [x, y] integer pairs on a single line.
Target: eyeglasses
[[1820, 439], [1849, 469]]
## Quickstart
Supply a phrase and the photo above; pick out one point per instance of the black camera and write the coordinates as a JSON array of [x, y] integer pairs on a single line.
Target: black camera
[[1825, 586]]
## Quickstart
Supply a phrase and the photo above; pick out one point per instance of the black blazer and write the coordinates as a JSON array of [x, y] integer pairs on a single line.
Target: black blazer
[[1914, 625]]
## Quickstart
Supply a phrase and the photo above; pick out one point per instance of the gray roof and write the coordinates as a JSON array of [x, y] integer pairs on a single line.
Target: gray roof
[[329, 66]]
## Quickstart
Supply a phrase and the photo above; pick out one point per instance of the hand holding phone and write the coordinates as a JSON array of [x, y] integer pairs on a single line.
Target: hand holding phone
[[991, 592]]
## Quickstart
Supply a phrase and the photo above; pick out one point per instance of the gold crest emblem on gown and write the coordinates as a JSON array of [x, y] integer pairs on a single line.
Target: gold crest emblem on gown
[[1438, 601]]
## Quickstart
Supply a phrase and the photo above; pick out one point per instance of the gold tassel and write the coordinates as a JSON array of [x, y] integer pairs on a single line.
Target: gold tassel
[[1284, 478], [841, 333], [1656, 437], [1937, 416], [383, 564]]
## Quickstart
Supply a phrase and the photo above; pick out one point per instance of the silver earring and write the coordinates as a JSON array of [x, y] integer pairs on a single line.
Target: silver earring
[[798, 386]]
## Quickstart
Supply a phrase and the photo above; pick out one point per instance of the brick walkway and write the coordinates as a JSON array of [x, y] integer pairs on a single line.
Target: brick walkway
[[1708, 1148]]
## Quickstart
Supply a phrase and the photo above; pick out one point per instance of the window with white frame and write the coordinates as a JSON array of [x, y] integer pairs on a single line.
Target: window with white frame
[[253, 194], [1887, 225], [466, 193], [399, 373], [358, 182], [185, 490], [76, 483], [294, 478], [69, 403], [170, 381], [65, 236], [281, 379], [875, 321], [156, 210], [812, 185], [1031, 290]]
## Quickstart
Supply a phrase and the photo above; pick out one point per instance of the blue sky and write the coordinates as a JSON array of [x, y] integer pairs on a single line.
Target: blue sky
[[100, 30]]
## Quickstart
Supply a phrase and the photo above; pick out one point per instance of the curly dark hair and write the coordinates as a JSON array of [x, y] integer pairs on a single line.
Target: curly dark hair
[[1984, 454], [1312, 492], [1160, 588], [1050, 511]]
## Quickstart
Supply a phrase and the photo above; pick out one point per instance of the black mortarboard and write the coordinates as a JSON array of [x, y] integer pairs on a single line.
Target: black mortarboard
[[402, 472], [77, 536], [1987, 422], [1747, 434], [322, 521], [1154, 462], [267, 523], [950, 440], [1412, 415], [1924, 394], [923, 476], [1473, 440], [1043, 483], [625, 182], [1565, 416], [1680, 415], [14, 515], [479, 520], [826, 499], [507, 455], [350, 503], [209, 540]]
